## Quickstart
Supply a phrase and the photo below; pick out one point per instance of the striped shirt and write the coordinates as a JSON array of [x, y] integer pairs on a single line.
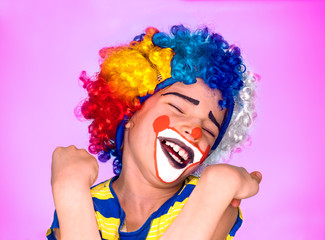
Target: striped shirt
[[110, 216]]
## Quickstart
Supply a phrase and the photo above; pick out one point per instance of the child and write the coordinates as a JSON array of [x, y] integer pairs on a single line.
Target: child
[[160, 106]]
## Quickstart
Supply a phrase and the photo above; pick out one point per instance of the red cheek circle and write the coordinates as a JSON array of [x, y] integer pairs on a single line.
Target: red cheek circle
[[161, 123], [196, 133]]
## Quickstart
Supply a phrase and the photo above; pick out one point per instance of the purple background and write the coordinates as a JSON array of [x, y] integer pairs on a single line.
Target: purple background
[[44, 45]]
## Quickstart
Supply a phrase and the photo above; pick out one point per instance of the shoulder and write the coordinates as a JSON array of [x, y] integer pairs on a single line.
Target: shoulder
[[105, 201], [107, 209], [188, 186], [102, 190]]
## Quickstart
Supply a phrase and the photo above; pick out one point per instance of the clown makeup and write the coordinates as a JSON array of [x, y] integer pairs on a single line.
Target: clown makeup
[[173, 131], [174, 154]]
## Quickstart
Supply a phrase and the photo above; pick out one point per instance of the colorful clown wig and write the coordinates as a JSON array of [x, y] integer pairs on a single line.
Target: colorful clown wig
[[129, 74]]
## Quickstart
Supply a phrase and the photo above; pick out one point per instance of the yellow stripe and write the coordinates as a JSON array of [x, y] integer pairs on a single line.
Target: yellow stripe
[[108, 226], [240, 213], [192, 180], [48, 232], [160, 225], [102, 191]]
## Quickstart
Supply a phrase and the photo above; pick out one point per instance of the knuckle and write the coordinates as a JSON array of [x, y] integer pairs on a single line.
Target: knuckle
[[72, 147], [84, 151], [57, 151]]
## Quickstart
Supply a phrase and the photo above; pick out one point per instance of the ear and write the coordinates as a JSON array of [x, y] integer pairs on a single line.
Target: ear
[[129, 124]]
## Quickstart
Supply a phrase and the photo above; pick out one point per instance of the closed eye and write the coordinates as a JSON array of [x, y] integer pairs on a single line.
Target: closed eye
[[208, 131], [177, 108]]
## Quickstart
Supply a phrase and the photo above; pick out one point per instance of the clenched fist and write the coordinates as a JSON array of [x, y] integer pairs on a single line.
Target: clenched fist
[[70, 164], [74, 171]]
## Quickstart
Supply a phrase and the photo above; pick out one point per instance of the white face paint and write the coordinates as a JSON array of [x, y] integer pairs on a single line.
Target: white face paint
[[174, 154]]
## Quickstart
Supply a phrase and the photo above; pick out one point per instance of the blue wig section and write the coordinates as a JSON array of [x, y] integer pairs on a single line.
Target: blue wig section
[[198, 54], [224, 126], [205, 55], [104, 156]]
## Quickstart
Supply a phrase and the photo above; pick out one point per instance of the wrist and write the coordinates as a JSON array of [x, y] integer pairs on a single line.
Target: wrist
[[72, 176], [73, 182]]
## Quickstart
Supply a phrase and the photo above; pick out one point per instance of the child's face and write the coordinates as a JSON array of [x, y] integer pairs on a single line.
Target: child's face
[[174, 130]]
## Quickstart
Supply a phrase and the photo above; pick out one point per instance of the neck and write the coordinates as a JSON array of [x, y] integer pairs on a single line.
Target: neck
[[134, 189], [139, 197], [140, 187]]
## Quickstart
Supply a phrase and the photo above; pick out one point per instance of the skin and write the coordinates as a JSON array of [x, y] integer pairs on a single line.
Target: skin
[[73, 172], [139, 190], [213, 209]]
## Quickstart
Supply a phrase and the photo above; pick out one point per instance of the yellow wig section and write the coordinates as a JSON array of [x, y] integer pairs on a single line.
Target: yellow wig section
[[134, 70]]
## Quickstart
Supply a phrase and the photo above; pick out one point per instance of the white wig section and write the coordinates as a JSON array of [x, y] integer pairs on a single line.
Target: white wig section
[[236, 135]]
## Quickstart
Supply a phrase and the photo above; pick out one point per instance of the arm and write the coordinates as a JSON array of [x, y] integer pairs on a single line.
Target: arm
[[73, 172], [226, 223], [207, 209]]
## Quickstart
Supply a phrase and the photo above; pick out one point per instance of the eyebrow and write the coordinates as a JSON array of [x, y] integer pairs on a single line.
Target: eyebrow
[[189, 99], [213, 119]]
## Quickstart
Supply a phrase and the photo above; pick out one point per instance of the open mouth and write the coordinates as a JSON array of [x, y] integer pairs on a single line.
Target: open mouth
[[174, 154], [178, 154]]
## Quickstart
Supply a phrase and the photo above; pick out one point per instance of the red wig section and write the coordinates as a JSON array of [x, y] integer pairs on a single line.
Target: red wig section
[[106, 109]]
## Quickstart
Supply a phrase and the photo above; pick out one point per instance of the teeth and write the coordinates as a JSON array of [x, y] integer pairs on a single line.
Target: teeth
[[176, 148], [170, 144], [176, 158], [181, 152]]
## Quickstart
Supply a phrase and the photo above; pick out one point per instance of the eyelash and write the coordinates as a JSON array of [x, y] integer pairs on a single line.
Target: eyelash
[[177, 108], [209, 132], [181, 111]]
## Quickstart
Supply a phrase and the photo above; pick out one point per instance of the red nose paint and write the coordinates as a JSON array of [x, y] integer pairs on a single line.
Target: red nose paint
[[196, 133], [161, 123]]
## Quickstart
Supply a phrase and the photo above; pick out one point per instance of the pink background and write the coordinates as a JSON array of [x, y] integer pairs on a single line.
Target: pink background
[[44, 45]]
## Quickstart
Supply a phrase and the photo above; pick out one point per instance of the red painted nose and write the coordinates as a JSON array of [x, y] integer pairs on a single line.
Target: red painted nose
[[196, 133]]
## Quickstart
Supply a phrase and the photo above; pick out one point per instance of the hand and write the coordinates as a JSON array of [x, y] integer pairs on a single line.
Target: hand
[[238, 183], [241, 183], [236, 202], [72, 164], [74, 171]]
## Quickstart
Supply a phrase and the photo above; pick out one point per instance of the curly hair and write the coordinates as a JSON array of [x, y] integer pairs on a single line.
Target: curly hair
[[131, 73]]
